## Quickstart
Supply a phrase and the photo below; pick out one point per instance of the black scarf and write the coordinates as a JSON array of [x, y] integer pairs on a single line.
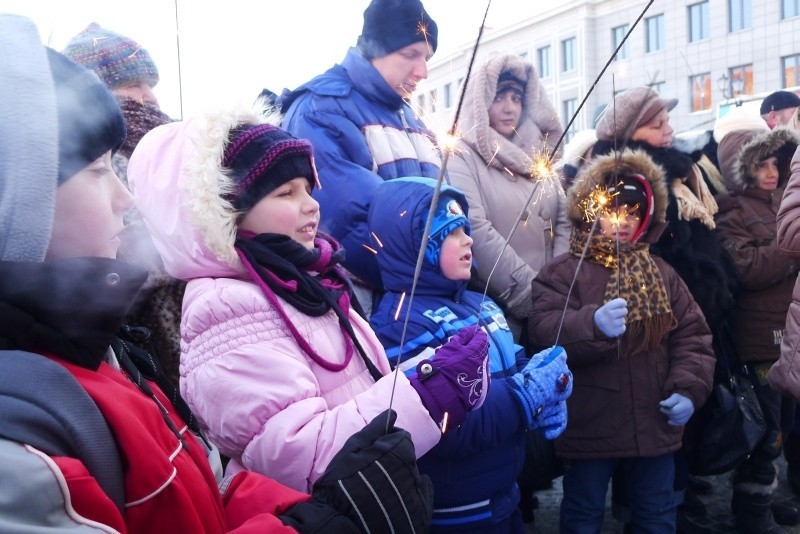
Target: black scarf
[[310, 280]]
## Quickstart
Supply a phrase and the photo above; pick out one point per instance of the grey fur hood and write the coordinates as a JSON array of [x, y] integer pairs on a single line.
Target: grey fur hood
[[780, 142], [539, 128], [600, 173]]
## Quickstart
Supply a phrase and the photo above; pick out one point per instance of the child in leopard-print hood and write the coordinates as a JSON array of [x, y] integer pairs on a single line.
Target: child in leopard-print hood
[[638, 344]]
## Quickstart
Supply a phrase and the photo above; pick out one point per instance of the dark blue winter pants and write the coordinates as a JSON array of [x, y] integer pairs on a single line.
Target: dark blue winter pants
[[650, 486]]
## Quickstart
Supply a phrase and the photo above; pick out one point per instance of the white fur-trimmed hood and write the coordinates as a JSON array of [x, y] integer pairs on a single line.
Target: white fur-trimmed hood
[[176, 177]]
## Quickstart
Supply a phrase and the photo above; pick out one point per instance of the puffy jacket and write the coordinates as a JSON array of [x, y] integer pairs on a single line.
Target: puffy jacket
[[784, 375], [495, 175], [746, 225], [474, 468], [363, 133], [259, 397]]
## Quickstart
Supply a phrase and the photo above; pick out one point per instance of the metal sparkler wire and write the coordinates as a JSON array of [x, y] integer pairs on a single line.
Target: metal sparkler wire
[[557, 146], [432, 208], [178, 46]]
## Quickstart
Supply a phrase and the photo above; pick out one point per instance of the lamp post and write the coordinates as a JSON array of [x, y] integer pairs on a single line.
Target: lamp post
[[725, 86]]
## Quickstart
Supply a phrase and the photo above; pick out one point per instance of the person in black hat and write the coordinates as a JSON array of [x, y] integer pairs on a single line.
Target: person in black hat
[[357, 117], [777, 109]]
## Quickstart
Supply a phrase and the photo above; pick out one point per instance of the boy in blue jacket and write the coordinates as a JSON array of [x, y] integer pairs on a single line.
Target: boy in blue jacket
[[474, 468]]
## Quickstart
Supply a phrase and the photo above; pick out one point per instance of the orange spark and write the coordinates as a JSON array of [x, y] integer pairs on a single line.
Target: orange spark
[[369, 248], [376, 239], [400, 306]]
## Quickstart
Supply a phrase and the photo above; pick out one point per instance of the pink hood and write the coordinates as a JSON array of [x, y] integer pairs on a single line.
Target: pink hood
[[192, 226]]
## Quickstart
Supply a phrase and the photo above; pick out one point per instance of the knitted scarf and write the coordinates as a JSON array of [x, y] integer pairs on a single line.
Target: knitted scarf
[[635, 277], [140, 118], [309, 280]]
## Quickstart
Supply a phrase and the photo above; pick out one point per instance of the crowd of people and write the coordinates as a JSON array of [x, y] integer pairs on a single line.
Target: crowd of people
[[298, 316]]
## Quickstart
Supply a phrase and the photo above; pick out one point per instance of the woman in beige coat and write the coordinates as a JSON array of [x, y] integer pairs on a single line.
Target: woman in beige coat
[[508, 121]]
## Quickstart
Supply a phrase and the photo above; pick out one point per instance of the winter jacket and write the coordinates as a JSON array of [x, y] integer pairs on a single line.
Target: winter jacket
[[495, 175], [474, 468], [784, 375], [614, 406], [168, 484], [259, 397], [363, 133], [746, 226]]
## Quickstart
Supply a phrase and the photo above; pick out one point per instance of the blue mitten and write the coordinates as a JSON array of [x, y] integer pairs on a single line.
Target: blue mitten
[[677, 408], [553, 420], [610, 317], [545, 380]]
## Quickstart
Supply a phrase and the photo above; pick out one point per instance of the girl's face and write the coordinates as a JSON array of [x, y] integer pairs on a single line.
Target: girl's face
[[455, 259], [620, 222], [504, 113], [88, 214], [657, 132], [289, 209], [767, 174]]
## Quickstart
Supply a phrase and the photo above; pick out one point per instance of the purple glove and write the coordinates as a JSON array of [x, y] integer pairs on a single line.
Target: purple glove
[[677, 408], [455, 380]]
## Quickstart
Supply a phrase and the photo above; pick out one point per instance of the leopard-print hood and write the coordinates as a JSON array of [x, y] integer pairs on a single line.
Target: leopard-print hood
[[601, 171], [780, 142]]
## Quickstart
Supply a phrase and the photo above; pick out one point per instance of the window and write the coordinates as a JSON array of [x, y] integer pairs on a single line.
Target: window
[[448, 96], [700, 91], [791, 70], [741, 80], [568, 107], [432, 100], [568, 52], [739, 15], [698, 22], [420, 104], [617, 35], [654, 26], [543, 56], [658, 87], [790, 8]]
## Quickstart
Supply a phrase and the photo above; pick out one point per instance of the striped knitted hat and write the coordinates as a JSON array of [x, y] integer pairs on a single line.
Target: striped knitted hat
[[116, 59], [262, 157]]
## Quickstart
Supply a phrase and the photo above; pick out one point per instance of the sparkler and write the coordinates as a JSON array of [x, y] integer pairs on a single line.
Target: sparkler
[[432, 208]]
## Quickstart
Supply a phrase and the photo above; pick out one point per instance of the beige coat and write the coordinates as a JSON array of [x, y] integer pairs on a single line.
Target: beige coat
[[494, 174]]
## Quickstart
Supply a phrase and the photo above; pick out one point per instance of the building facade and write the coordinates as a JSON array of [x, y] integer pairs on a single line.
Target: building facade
[[703, 52]]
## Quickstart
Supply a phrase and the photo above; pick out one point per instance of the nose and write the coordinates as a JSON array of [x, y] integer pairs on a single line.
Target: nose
[[122, 200], [421, 69], [310, 205], [468, 240], [149, 96]]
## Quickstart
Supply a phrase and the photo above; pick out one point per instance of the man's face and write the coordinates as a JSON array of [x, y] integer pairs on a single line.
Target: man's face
[[780, 117], [403, 69]]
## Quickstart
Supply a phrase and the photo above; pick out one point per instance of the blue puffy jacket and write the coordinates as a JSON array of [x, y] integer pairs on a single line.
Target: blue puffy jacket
[[363, 133], [474, 468]]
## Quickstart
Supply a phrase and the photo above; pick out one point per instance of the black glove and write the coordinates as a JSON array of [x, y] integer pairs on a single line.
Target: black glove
[[373, 482]]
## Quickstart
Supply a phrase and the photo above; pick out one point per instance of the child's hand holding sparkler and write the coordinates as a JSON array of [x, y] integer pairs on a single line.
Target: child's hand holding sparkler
[[610, 317]]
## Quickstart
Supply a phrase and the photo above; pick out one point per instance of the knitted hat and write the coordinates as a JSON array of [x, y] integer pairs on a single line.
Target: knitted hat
[[390, 25], [262, 157], [737, 118], [631, 109], [90, 122], [508, 82], [779, 100], [449, 216], [116, 59]]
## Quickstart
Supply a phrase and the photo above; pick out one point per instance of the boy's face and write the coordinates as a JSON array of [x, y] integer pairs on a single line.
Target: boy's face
[[403, 69], [767, 174], [289, 210], [456, 257], [657, 132], [620, 222], [88, 214]]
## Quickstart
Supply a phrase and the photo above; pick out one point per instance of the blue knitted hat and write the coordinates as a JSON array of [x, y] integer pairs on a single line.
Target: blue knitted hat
[[390, 25], [449, 215]]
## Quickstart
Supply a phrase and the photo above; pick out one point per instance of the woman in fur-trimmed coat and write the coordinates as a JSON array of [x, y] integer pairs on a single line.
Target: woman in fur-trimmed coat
[[508, 119], [747, 228]]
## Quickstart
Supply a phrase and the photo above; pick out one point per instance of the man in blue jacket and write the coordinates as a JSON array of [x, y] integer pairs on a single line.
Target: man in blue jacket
[[363, 131]]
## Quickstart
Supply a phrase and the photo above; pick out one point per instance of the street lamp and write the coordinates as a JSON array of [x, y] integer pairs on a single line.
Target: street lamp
[[731, 88], [725, 86]]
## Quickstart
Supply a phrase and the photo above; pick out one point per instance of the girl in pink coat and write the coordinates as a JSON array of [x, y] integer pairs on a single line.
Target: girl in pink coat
[[277, 366]]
